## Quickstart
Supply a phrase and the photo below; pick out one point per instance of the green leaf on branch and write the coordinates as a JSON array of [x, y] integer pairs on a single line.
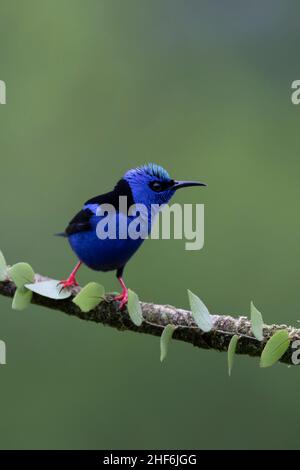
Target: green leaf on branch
[[3, 268], [231, 352], [21, 274], [22, 298], [134, 308], [165, 340], [89, 297], [200, 313], [256, 322], [275, 348], [50, 289]]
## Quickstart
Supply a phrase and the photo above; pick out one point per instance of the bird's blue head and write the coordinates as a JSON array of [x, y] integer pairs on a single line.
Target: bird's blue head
[[152, 184]]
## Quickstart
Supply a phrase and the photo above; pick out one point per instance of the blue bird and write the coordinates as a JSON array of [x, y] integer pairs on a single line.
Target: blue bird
[[149, 185]]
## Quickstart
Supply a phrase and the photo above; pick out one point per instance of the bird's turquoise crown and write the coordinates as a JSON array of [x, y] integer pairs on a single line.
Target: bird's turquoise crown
[[150, 169]]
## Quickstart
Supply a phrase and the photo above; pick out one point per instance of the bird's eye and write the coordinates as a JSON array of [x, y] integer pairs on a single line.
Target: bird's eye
[[156, 186]]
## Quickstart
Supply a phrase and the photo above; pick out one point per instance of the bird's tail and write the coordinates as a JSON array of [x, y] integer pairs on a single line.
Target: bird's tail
[[61, 234]]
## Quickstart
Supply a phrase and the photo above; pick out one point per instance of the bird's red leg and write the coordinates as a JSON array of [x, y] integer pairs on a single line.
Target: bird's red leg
[[123, 298], [71, 281]]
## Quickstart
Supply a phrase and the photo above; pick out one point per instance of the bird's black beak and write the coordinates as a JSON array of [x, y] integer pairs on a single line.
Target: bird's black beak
[[186, 184]]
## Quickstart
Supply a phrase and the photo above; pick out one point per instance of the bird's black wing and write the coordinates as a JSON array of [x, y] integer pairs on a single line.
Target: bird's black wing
[[81, 221], [122, 188]]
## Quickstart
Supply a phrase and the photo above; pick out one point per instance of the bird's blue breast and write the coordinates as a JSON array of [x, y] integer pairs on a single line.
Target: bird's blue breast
[[104, 254]]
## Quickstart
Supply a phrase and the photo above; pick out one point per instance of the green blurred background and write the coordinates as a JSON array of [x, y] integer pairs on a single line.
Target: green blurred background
[[95, 87]]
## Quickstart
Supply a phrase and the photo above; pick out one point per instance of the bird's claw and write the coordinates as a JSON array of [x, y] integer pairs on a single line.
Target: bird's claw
[[68, 283], [122, 298]]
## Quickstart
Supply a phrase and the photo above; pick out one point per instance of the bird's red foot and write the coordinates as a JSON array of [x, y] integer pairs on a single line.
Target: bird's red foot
[[122, 298], [71, 282]]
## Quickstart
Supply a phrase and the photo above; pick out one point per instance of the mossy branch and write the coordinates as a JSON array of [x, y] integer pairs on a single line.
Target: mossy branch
[[156, 317]]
